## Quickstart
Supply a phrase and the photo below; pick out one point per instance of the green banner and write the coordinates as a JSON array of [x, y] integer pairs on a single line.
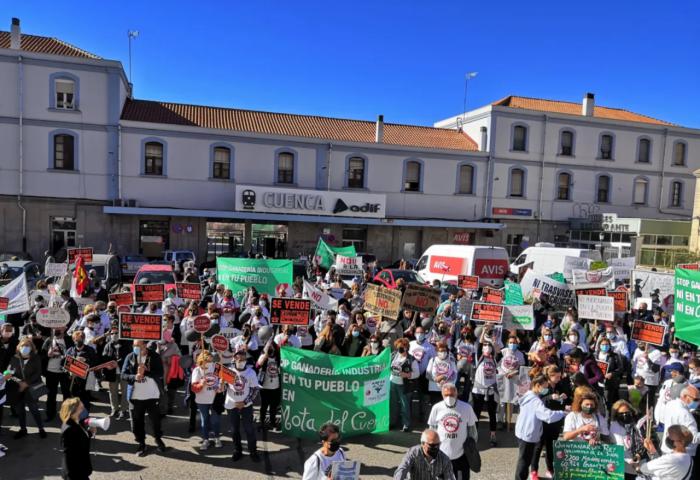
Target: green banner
[[240, 273], [352, 392], [574, 460], [514, 293], [687, 305], [325, 254]]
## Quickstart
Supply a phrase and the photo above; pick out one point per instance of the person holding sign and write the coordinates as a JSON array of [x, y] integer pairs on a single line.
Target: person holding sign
[[239, 405], [75, 441], [80, 351], [205, 384], [677, 464], [647, 361], [404, 369], [320, 464], [54, 351], [613, 374], [25, 366], [484, 391], [583, 423], [268, 366]]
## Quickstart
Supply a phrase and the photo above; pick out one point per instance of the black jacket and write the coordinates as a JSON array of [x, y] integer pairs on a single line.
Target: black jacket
[[154, 369], [115, 350], [47, 346], [7, 351], [75, 443]]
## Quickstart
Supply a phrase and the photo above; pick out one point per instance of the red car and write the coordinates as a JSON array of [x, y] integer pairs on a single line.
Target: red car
[[152, 274], [388, 277]]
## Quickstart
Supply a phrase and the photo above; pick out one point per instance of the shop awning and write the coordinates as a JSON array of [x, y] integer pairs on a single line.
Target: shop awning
[[272, 217]]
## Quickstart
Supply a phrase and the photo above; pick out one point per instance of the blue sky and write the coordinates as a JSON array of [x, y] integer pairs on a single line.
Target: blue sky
[[404, 59]]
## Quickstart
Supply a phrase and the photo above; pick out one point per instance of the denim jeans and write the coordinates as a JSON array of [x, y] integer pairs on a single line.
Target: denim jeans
[[210, 421]]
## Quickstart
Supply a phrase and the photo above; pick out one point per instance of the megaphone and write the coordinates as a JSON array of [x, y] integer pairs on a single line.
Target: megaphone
[[102, 423]]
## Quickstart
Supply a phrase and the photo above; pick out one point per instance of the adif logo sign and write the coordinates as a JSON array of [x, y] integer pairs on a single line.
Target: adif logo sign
[[341, 206]]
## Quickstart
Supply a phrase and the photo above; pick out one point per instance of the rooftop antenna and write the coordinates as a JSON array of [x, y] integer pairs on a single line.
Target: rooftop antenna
[[131, 34], [467, 77]]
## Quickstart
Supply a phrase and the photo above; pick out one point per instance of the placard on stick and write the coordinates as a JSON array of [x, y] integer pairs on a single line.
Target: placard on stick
[[468, 282], [74, 253], [603, 366], [620, 300], [219, 343], [487, 312], [149, 293], [52, 317], [289, 311], [648, 332], [120, 299], [594, 307], [382, 301], [420, 298], [76, 367], [189, 291], [140, 326], [592, 292], [201, 324], [491, 295]]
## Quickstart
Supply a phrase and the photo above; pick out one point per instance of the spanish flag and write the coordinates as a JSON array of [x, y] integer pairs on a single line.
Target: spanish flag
[[80, 276]]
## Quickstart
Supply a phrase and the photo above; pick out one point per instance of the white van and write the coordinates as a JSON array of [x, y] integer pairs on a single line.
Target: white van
[[446, 262], [550, 259]]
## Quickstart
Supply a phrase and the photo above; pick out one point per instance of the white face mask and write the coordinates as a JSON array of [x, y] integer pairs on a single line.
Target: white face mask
[[487, 350], [450, 401], [240, 365], [442, 355], [573, 339]]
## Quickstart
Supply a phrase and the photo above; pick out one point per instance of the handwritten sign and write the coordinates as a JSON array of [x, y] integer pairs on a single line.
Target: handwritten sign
[[289, 311], [219, 343], [648, 332], [382, 301], [468, 282], [53, 269], [201, 324], [487, 312], [420, 298], [53, 317], [149, 293], [74, 253], [620, 300], [121, 298], [594, 307], [491, 295], [4, 303], [140, 326], [581, 461], [348, 265], [225, 374], [189, 291], [76, 367]]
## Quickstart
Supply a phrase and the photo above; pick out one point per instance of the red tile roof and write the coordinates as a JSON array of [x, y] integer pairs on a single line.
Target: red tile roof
[[572, 108], [52, 46], [294, 125]]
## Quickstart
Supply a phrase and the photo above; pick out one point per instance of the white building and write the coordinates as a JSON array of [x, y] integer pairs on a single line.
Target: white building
[[83, 163]]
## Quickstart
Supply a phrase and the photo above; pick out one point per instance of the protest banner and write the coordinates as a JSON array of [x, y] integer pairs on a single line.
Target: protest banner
[[603, 366], [592, 278], [575, 263], [622, 267], [74, 253], [189, 291], [149, 293], [620, 300], [594, 292], [492, 295], [289, 311], [320, 298], [348, 266], [688, 266], [120, 299], [325, 254], [140, 326], [468, 282], [487, 312], [382, 301], [352, 392], [76, 367], [225, 374], [687, 306], [219, 343], [345, 470], [4, 303], [558, 293], [581, 461], [513, 293], [520, 317], [53, 317], [594, 307], [237, 274], [201, 324], [17, 294], [648, 332], [644, 282], [53, 269], [522, 270], [420, 298]]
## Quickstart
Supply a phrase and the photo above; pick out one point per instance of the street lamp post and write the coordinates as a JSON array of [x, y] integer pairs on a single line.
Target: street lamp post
[[467, 77]]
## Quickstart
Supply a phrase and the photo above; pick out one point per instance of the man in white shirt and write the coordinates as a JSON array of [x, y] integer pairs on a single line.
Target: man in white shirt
[[239, 404], [618, 343], [454, 421], [677, 412], [666, 392], [674, 465]]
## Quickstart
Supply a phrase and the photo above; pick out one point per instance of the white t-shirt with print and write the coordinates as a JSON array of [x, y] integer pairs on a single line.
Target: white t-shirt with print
[[451, 425], [575, 420], [211, 384], [240, 390], [271, 381]]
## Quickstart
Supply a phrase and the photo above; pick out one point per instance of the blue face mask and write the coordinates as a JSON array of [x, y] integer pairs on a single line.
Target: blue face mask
[[544, 391], [137, 351], [355, 333], [610, 335], [548, 324], [25, 351], [604, 348], [693, 405], [513, 346]]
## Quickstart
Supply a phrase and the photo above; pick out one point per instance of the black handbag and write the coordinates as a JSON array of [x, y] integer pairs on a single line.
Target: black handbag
[[471, 451]]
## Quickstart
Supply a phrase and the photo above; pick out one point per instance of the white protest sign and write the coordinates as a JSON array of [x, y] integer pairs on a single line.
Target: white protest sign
[[18, 295], [593, 278], [558, 294], [645, 282], [348, 265], [345, 470], [53, 317], [622, 267], [594, 307], [321, 299], [575, 263], [520, 317], [55, 269]]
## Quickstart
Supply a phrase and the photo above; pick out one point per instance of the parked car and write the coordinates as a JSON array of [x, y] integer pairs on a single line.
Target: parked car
[[153, 274], [389, 276], [14, 256], [177, 257], [16, 268], [131, 264]]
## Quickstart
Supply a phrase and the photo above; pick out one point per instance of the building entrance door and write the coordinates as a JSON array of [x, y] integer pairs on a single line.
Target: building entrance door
[[63, 233]]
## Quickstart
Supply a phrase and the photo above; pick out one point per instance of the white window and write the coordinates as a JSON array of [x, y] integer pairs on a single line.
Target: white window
[[640, 191], [356, 172], [466, 179], [153, 159], [644, 150], [65, 94], [412, 181]]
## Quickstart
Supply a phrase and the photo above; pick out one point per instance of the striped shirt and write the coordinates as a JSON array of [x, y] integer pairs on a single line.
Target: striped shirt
[[416, 466]]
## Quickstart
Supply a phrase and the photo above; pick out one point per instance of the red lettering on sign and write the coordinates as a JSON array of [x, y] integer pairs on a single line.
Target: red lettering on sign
[[446, 265]]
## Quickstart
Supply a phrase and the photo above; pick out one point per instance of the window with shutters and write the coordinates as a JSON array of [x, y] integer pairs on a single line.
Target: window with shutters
[[65, 94], [641, 185], [676, 194]]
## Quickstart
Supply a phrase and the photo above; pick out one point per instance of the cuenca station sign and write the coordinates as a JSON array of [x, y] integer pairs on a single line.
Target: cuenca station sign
[[256, 198]]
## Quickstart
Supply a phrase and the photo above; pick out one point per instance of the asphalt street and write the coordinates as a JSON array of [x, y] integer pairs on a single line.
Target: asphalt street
[[282, 457]]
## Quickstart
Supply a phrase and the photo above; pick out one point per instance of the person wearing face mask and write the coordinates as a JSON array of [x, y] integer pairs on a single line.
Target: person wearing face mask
[[8, 345], [239, 405], [618, 344], [205, 384], [484, 391], [170, 356], [508, 370], [26, 367], [373, 347], [53, 352], [404, 369], [669, 390], [422, 351], [570, 344], [288, 337], [614, 373], [354, 342], [679, 412], [529, 425], [425, 461], [320, 464], [584, 423], [694, 372], [466, 361], [674, 358], [546, 339], [268, 366], [647, 361], [80, 350], [677, 463], [116, 350], [624, 432], [229, 308], [454, 421]]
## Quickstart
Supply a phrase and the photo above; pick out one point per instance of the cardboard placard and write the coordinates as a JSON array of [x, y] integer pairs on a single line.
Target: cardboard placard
[[491, 295], [189, 291], [648, 332], [53, 269], [620, 300], [581, 461], [201, 324], [122, 298], [124, 309], [76, 367], [603, 366], [420, 298], [53, 317], [622, 267], [592, 292], [219, 343], [575, 263], [149, 293], [289, 311], [487, 312], [382, 301], [468, 282], [74, 253], [4, 303], [320, 298], [140, 326], [558, 294], [594, 307], [225, 374]]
